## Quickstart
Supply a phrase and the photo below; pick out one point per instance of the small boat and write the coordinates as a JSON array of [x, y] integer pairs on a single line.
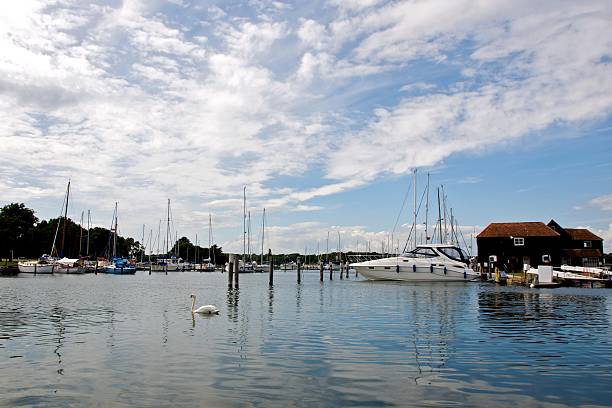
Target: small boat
[[120, 266], [425, 263], [172, 264], [66, 265], [45, 265]]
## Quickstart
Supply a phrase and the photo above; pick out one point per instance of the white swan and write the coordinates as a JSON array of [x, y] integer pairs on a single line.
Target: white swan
[[207, 309]]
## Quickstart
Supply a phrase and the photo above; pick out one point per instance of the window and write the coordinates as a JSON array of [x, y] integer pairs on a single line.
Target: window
[[421, 252], [519, 241], [588, 244], [453, 253]]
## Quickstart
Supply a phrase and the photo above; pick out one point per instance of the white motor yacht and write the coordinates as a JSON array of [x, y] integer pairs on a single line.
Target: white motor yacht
[[425, 263]]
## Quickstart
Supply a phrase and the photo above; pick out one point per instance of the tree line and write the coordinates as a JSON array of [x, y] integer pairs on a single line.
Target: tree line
[[23, 235]]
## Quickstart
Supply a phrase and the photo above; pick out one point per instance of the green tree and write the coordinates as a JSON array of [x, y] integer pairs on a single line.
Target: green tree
[[16, 225]]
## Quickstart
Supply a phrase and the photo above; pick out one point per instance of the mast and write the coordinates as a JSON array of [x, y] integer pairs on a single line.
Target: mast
[[439, 217], [81, 232], [158, 237], [65, 217], [452, 222], [414, 210], [168, 229], [327, 250], [249, 237], [263, 229], [244, 227], [115, 234], [88, 227], [195, 257], [339, 249], [210, 239], [427, 211], [444, 208], [143, 238]]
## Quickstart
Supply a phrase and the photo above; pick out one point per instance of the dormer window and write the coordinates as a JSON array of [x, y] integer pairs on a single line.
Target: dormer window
[[588, 244], [519, 241]]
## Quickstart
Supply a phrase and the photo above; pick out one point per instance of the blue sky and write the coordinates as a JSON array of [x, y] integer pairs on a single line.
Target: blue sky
[[322, 109]]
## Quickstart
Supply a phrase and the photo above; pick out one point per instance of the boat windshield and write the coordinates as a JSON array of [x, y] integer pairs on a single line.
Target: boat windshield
[[421, 252], [453, 253]]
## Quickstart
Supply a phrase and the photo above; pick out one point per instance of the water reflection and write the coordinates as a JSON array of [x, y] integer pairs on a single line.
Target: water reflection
[[340, 343]]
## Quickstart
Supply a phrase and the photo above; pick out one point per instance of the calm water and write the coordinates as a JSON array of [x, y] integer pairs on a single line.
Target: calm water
[[131, 340]]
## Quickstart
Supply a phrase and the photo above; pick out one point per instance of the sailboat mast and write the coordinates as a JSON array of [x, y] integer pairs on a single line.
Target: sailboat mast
[[81, 232], [143, 238], [427, 212], [414, 210], [115, 234], [210, 238], [263, 233], [244, 227], [158, 236], [88, 228], [168, 229], [249, 237], [439, 217], [65, 217]]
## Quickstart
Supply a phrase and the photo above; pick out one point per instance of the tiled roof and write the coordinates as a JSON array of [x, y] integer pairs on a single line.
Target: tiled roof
[[582, 234], [517, 229]]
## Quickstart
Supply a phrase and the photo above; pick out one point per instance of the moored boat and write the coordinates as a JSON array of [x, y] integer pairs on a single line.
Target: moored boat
[[425, 263], [42, 266], [120, 266]]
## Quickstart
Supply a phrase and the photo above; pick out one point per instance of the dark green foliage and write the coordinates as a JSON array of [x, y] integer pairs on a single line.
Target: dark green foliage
[[16, 225]]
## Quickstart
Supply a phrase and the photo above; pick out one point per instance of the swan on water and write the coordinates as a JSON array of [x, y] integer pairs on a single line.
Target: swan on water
[[206, 309]]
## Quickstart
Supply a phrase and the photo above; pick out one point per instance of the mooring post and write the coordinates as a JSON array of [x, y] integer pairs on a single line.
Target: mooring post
[[341, 269], [35, 269], [271, 267], [321, 271], [230, 272], [299, 274], [331, 271], [150, 267], [236, 271], [96, 269]]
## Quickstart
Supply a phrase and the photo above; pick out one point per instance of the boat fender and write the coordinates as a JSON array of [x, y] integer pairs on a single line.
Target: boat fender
[[413, 267], [430, 268], [445, 270], [397, 268]]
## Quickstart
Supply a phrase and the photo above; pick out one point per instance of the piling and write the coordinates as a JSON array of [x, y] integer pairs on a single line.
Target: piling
[[321, 271], [96, 269], [331, 271], [341, 269], [230, 272], [299, 274], [236, 272], [35, 269], [271, 282]]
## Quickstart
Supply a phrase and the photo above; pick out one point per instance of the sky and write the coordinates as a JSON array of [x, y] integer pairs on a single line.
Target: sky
[[321, 109]]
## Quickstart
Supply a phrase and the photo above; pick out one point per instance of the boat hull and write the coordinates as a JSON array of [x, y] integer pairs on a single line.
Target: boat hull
[[113, 270], [36, 268], [70, 269], [417, 273]]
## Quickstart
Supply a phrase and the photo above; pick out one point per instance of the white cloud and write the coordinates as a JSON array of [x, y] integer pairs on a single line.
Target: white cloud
[[603, 202], [136, 105]]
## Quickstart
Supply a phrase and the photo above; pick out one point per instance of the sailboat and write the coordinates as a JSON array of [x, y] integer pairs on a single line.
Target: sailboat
[[168, 263], [262, 267], [208, 264], [120, 266], [47, 263]]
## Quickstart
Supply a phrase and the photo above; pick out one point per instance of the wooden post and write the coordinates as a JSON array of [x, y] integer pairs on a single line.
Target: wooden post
[[96, 268], [230, 272], [236, 271], [150, 267], [331, 271], [299, 272], [321, 271], [271, 267], [35, 269]]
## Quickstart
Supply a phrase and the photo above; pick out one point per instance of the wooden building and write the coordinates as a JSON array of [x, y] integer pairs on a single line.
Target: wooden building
[[510, 245], [579, 246]]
